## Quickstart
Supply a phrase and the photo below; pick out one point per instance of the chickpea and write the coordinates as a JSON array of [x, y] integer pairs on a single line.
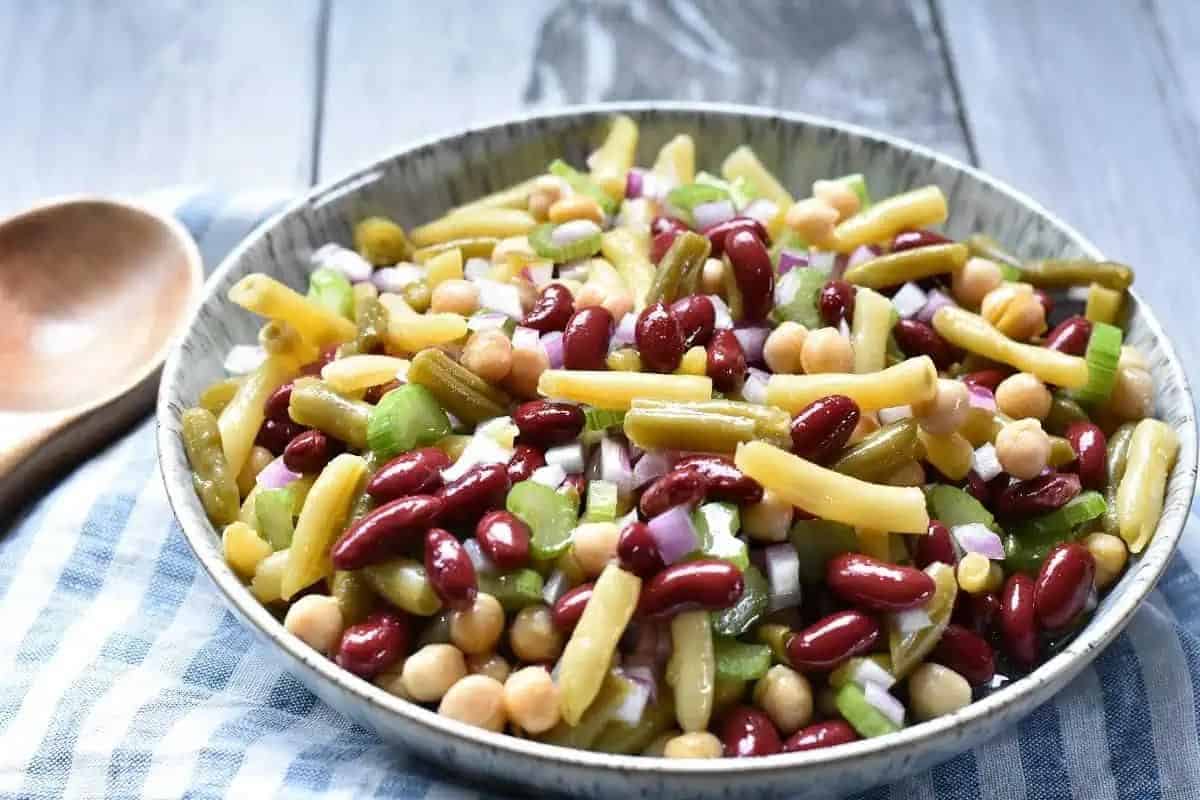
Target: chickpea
[[826, 702], [1023, 448], [826, 350], [934, 690], [699, 744], [814, 220], [477, 629], [769, 519], [786, 697], [1023, 395], [868, 423], [712, 276], [317, 620], [578, 206], [455, 296], [489, 355], [659, 744], [531, 700], [528, 364], [512, 246], [391, 681], [493, 665], [476, 700], [527, 293], [590, 294], [256, 463], [595, 546], [838, 195], [977, 574], [1133, 394], [619, 302], [431, 671], [911, 474], [947, 411], [1110, 555], [533, 635], [624, 360], [547, 191], [783, 347], [973, 282], [1013, 310]]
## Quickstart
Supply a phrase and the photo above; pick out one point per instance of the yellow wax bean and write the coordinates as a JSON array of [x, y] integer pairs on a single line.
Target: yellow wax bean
[[497, 223], [610, 163], [320, 523], [268, 578], [743, 163], [617, 390], [241, 418], [694, 669], [951, 453], [513, 197], [361, 372], [973, 333], [919, 208], [677, 160], [870, 329], [269, 298], [910, 382], [1103, 304], [470, 247], [444, 267], [411, 334], [243, 548], [629, 255], [1153, 448]]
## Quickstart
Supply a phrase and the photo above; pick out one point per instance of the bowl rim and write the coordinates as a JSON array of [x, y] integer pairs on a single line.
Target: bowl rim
[[1032, 689]]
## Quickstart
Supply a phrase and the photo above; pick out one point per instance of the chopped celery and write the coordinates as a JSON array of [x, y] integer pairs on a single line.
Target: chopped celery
[[583, 184], [858, 185], [1103, 353], [541, 239], [716, 526], [818, 540], [273, 512], [332, 289], [515, 590], [550, 515], [690, 195], [952, 506], [1008, 272], [862, 716], [749, 608], [601, 419], [842, 675], [1083, 507], [406, 417], [601, 501], [741, 190], [802, 307], [740, 661]]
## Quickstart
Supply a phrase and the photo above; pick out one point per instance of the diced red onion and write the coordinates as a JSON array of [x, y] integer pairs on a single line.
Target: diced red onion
[[762, 210], [551, 475], [868, 671], [574, 270], [625, 333], [631, 516], [985, 462], [568, 233], [539, 274], [643, 674], [344, 260], [894, 414], [783, 576], [822, 260], [911, 621], [844, 328], [860, 255], [752, 341], [714, 213], [674, 533], [885, 704], [476, 268], [502, 297], [555, 587], [244, 358], [653, 464], [402, 372], [792, 259], [614, 465], [909, 299], [552, 343], [754, 390], [936, 299], [486, 321], [481, 449], [1078, 294], [786, 288], [276, 475], [526, 338], [981, 397], [975, 537], [479, 559], [724, 319], [567, 456], [636, 699], [394, 279], [633, 183]]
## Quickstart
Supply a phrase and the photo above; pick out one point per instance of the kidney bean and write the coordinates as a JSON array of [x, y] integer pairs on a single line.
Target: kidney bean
[[719, 233], [935, 545], [697, 317], [637, 550], [877, 585], [978, 488], [754, 273], [504, 538], [677, 487], [551, 310], [1062, 586], [836, 302], [569, 608], [1018, 621], [277, 403], [547, 423], [749, 732], [275, 434], [668, 224], [987, 378], [449, 569], [659, 338], [703, 583], [378, 534], [965, 653], [481, 489], [1070, 336], [585, 340], [1046, 300], [911, 240], [415, 472], [371, 646], [822, 428], [917, 338], [525, 459], [820, 734], [375, 393], [976, 612], [1091, 454], [575, 482], [325, 356], [663, 231], [722, 479], [726, 363], [1037, 495], [827, 643], [309, 452]]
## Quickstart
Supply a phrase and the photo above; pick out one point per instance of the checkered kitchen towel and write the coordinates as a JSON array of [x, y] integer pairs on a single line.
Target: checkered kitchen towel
[[122, 675]]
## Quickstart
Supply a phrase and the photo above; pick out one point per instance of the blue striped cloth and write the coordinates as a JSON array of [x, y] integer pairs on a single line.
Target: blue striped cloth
[[122, 675]]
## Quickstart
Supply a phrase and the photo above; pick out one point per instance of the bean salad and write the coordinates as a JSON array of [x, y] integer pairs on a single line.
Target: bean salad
[[664, 462]]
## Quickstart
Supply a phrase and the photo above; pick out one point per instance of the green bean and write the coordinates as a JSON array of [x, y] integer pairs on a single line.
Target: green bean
[[1064, 273], [460, 391], [418, 295], [818, 540], [776, 637], [686, 254], [316, 405], [893, 269], [732, 292], [622, 738], [214, 481], [592, 720], [471, 247], [372, 320], [684, 429], [1118, 453], [217, 395], [881, 453], [1064, 411], [987, 247], [381, 241], [770, 423], [514, 590], [749, 608], [403, 583], [354, 596]]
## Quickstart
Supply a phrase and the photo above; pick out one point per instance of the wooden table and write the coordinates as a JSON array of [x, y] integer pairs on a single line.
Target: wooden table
[[1092, 107]]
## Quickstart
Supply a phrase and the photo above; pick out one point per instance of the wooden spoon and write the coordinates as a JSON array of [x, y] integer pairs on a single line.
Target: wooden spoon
[[92, 292]]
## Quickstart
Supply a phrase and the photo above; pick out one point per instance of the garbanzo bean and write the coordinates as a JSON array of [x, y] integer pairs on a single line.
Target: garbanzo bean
[[1023, 395], [431, 671], [813, 220], [786, 697], [533, 635], [489, 354], [1110, 555], [477, 629], [698, 744], [1023, 448], [476, 700], [973, 282], [934, 690], [947, 411], [531, 700], [317, 620], [826, 350], [493, 665], [595, 546], [783, 347], [455, 296]]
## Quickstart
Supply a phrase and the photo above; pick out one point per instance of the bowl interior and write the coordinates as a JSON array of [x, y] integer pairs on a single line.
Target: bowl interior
[[421, 182]]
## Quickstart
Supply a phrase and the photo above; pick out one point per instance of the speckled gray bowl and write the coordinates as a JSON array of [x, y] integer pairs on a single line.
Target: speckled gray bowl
[[418, 183]]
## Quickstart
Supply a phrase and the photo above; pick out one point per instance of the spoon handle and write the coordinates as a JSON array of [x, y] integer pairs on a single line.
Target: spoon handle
[[23, 441]]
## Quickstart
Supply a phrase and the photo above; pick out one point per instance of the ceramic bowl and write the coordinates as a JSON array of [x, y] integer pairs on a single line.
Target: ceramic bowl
[[421, 181]]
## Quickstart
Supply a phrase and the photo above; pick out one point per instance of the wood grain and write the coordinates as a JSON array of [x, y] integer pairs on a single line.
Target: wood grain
[[124, 97]]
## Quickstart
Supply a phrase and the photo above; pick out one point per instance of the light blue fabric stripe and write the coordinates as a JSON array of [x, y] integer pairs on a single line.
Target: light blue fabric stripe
[[1130, 747], [1042, 755], [957, 779]]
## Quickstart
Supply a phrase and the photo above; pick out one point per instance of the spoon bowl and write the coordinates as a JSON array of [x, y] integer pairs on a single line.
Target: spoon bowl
[[92, 292]]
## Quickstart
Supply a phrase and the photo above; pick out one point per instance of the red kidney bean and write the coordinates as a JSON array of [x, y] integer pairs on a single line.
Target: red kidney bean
[[637, 550], [325, 356], [667, 224], [836, 302], [965, 653], [585, 340], [569, 608], [1046, 300], [663, 231], [276, 433], [525, 459], [277, 403], [574, 482], [309, 452], [754, 273], [1070, 336], [1062, 586], [987, 378], [717, 234], [703, 583], [1037, 495], [1091, 451], [722, 479], [877, 585], [677, 487], [1018, 621], [504, 538], [659, 338], [825, 644], [976, 612], [820, 734], [415, 472], [749, 732], [697, 317], [917, 338], [547, 423], [551, 310], [978, 488], [371, 646], [911, 240], [726, 363], [449, 569], [822, 428], [375, 393], [381, 532], [481, 489], [935, 545]]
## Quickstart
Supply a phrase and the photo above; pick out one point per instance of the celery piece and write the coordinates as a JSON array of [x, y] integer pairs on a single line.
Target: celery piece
[[551, 517], [332, 289], [749, 608], [406, 417], [717, 525], [273, 513], [690, 195], [1008, 272], [601, 419], [802, 307], [541, 239], [952, 506], [740, 661], [818, 540], [862, 716], [1027, 544], [741, 189], [515, 590], [583, 184], [1103, 354], [601, 501]]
